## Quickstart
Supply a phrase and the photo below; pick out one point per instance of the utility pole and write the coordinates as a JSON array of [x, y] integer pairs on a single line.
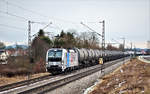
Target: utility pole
[[29, 45], [123, 50], [103, 35], [103, 39], [134, 51], [31, 60], [29, 39], [131, 46], [103, 44], [123, 44]]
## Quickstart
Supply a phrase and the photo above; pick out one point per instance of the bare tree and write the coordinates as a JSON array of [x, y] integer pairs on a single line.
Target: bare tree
[[88, 40], [110, 47]]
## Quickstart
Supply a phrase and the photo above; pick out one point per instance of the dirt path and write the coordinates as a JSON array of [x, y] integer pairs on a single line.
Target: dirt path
[[131, 78]]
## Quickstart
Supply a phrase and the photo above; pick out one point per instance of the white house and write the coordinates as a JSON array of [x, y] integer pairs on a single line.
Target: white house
[[3, 55]]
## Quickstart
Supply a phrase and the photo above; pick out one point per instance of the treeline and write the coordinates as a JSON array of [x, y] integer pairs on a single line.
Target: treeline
[[72, 39], [68, 39]]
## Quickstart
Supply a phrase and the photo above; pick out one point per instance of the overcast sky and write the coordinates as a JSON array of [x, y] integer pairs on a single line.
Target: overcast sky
[[124, 18]]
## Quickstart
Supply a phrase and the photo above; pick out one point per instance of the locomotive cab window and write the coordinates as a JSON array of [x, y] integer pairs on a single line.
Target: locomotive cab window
[[54, 55]]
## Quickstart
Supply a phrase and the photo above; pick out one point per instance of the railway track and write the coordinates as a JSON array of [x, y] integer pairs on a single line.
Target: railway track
[[144, 58], [56, 82], [22, 83]]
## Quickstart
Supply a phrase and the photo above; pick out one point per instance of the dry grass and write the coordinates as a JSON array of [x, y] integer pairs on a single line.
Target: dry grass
[[8, 80], [131, 78], [20, 66]]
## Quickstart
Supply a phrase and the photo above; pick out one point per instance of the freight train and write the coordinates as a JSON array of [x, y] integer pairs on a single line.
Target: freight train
[[62, 60]]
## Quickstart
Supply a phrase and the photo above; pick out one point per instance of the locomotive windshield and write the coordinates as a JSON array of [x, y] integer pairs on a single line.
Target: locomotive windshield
[[54, 55]]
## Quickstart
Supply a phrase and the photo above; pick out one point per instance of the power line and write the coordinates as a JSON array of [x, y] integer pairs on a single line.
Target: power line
[[42, 23], [37, 13], [91, 29], [93, 22], [12, 27], [10, 14], [31, 11], [20, 17], [47, 25], [56, 27], [20, 7], [13, 31], [116, 41], [11, 18]]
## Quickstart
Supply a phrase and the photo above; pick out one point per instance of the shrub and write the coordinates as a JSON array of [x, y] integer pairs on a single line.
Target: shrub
[[39, 66], [16, 66]]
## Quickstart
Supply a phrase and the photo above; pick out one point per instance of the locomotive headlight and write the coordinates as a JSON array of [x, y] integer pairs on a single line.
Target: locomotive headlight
[[62, 62]]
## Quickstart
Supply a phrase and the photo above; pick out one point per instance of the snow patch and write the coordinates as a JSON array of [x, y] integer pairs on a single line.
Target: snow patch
[[92, 87]]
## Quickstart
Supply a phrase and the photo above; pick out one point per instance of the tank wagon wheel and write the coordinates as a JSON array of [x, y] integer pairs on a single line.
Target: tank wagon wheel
[[54, 73]]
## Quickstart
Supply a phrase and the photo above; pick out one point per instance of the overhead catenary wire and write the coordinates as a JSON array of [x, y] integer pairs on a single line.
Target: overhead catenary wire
[[14, 27], [121, 43], [91, 29], [11, 14], [21, 17], [17, 31], [39, 14], [20, 7], [4, 25], [116, 41], [55, 27], [12, 18], [25, 19]]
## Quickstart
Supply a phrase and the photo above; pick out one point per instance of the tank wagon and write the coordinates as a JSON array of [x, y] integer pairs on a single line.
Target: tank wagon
[[61, 60]]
